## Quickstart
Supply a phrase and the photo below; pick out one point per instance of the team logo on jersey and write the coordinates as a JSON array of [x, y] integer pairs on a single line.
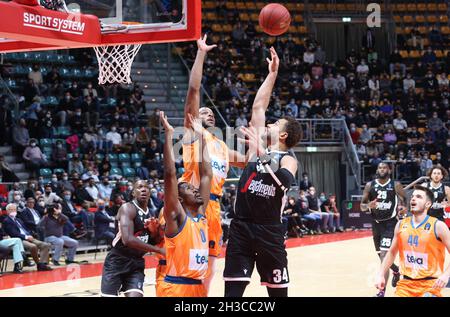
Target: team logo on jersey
[[198, 259], [260, 189], [427, 227], [436, 205], [415, 260], [219, 166], [384, 205]]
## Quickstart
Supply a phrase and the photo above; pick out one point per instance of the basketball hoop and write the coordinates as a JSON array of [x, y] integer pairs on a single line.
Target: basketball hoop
[[115, 62]]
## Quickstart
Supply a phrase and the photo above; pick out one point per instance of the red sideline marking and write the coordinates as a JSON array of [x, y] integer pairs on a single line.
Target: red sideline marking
[[73, 272]]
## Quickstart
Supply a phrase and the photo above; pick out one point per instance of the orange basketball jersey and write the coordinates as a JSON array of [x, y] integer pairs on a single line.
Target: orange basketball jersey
[[422, 255], [187, 252], [218, 152]]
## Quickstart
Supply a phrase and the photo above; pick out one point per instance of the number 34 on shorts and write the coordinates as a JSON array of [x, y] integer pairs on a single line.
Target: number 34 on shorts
[[280, 276]]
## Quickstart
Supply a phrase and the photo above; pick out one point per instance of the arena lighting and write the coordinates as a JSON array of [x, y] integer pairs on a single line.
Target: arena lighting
[[311, 149], [346, 19]]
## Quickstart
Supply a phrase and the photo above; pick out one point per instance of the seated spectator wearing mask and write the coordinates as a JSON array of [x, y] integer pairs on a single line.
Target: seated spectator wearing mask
[[15, 228], [30, 217], [76, 216], [16, 245], [104, 223], [52, 225], [49, 196], [104, 189], [82, 197], [65, 184]]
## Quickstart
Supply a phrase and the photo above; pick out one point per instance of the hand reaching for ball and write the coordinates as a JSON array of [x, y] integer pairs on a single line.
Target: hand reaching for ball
[[274, 61]]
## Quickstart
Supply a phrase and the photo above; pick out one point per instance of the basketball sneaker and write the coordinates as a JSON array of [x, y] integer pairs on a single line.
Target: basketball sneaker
[[380, 294]]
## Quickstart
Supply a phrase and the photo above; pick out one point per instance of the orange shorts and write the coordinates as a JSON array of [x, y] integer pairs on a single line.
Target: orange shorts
[[214, 228], [421, 288], [160, 275], [180, 290]]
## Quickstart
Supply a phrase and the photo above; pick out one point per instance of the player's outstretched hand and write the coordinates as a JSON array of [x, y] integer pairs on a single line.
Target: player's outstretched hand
[[202, 46], [380, 282], [274, 61], [195, 124], [441, 282], [165, 122], [253, 140]]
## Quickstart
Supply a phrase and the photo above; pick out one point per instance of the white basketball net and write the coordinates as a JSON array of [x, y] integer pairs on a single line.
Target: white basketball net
[[115, 62]]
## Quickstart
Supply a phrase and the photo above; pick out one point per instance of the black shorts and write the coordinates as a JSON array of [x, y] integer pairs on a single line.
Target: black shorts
[[383, 234], [122, 274], [251, 243]]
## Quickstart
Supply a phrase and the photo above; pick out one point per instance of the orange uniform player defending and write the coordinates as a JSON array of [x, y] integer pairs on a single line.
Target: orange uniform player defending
[[186, 229], [221, 157], [420, 241]]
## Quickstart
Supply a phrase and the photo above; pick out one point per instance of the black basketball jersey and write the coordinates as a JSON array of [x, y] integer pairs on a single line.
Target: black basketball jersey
[[140, 232], [436, 209], [260, 197], [386, 200]]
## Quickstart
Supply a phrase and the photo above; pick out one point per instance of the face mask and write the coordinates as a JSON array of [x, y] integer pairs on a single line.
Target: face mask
[[41, 204], [101, 207], [54, 180], [13, 214], [78, 113], [154, 195], [67, 197], [353, 129], [59, 146], [33, 186], [323, 198], [113, 129], [130, 187], [65, 178], [17, 197], [33, 144]]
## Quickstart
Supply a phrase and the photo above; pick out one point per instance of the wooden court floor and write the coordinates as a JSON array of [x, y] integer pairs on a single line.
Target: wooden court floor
[[332, 265]]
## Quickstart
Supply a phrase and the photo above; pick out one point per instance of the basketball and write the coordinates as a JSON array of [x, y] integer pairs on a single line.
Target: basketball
[[274, 19]]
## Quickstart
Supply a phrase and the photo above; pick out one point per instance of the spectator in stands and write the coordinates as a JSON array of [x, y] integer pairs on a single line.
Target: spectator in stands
[[396, 63], [75, 90], [104, 224], [90, 140], [319, 55], [92, 189], [425, 164], [90, 91], [35, 76], [7, 175], [15, 228], [65, 183], [104, 145], [46, 126], [30, 217], [129, 141], [435, 123], [53, 79], [366, 134], [117, 201], [153, 122], [104, 189], [21, 136], [354, 133], [82, 197], [314, 207], [52, 225], [313, 219], [435, 37], [65, 108], [305, 183], [368, 39], [241, 121], [390, 137], [362, 69], [308, 57], [115, 138], [75, 164], [73, 142], [293, 220], [409, 84], [50, 197], [374, 86], [137, 100], [329, 206], [6, 119], [77, 122], [156, 201], [16, 245], [77, 216], [429, 57], [142, 138], [34, 157], [59, 155], [91, 111]]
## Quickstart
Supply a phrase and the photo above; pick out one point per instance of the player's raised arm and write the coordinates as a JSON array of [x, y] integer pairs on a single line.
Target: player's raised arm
[[195, 80], [402, 196], [262, 98], [204, 166], [173, 211], [388, 260], [126, 216]]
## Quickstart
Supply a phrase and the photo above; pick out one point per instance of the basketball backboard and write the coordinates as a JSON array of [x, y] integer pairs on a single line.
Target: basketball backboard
[[98, 22]]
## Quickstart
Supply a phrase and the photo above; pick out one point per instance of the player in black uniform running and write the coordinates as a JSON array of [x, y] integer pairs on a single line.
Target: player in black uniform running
[[256, 232], [441, 193], [123, 270], [381, 199]]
